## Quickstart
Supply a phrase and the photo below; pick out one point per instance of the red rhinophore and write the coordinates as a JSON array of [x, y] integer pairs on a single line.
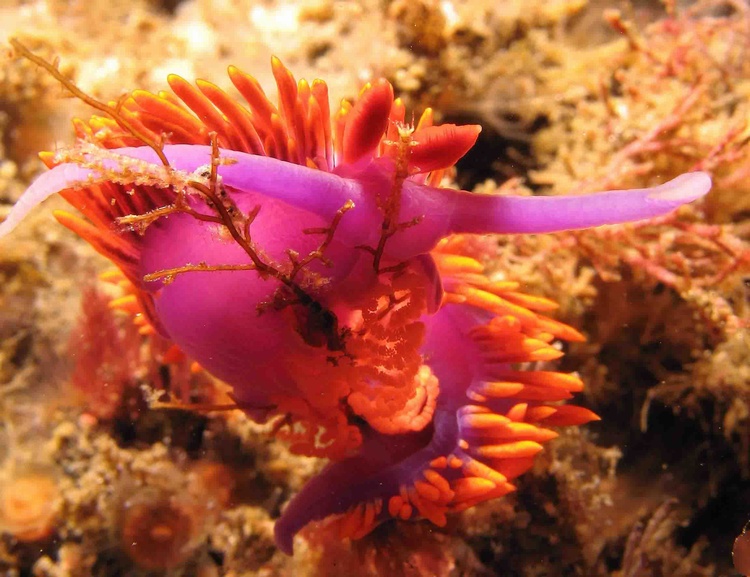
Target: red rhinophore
[[440, 147], [367, 121]]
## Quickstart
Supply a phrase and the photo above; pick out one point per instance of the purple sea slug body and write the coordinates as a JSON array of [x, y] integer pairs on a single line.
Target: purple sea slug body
[[314, 263]]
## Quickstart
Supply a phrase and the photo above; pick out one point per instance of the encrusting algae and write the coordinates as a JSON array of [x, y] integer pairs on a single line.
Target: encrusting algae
[[314, 261]]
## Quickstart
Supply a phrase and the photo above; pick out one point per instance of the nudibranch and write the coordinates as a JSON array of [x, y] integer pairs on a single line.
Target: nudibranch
[[314, 262]]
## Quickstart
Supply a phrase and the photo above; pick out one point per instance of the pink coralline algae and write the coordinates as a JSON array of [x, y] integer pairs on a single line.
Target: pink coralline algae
[[314, 263]]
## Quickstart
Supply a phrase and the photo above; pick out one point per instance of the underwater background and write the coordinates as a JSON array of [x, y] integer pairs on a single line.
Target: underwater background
[[107, 470]]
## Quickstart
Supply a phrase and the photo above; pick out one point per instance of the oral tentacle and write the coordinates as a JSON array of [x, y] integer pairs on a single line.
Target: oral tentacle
[[313, 190], [47, 185], [484, 214]]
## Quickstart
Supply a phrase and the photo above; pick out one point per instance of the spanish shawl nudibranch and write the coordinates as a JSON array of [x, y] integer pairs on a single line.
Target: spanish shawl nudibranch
[[314, 263]]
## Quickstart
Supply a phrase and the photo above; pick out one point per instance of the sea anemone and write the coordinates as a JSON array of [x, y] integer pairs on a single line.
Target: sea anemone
[[158, 529], [315, 263], [741, 552], [29, 500], [213, 482]]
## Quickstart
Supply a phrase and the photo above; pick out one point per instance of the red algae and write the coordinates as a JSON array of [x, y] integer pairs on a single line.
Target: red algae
[[106, 351]]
